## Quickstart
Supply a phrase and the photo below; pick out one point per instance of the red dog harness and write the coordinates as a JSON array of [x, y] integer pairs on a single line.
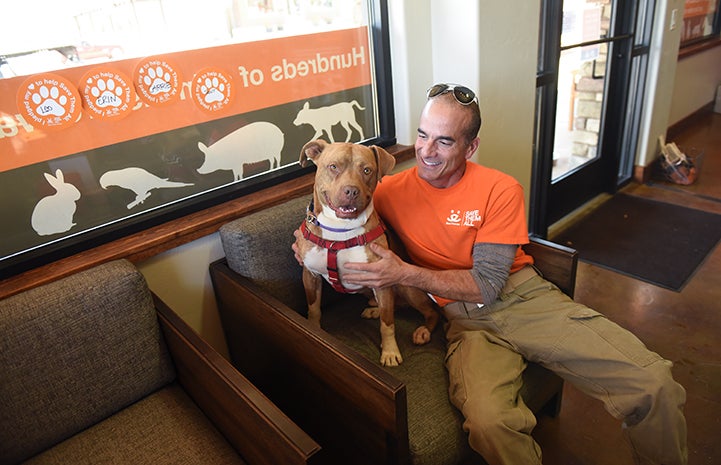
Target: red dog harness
[[334, 246]]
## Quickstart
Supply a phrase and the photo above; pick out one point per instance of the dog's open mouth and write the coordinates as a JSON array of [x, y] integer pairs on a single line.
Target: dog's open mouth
[[344, 211], [348, 210]]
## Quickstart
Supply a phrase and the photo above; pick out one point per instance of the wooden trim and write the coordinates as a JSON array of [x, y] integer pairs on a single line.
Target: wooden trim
[[150, 242], [642, 174], [698, 47], [255, 427]]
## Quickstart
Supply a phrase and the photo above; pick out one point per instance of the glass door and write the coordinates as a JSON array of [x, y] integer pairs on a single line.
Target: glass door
[[582, 132]]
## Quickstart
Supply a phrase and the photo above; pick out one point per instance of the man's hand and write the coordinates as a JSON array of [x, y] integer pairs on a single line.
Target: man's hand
[[298, 235], [385, 272]]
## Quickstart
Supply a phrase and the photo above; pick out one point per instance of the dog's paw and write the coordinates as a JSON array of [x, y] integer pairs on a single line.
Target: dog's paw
[[371, 313], [421, 336], [390, 358]]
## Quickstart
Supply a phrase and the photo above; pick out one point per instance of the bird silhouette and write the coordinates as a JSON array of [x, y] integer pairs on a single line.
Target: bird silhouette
[[139, 181]]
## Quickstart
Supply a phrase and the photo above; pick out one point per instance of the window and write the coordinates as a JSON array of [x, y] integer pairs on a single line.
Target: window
[[116, 115], [700, 21]]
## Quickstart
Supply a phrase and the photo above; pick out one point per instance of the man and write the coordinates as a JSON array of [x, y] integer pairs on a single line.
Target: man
[[462, 225]]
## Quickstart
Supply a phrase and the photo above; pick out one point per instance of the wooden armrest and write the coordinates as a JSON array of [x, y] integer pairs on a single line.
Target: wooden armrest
[[258, 430], [557, 263], [313, 376]]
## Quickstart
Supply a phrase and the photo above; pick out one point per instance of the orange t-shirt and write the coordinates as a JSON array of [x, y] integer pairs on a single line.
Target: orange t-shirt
[[439, 227]]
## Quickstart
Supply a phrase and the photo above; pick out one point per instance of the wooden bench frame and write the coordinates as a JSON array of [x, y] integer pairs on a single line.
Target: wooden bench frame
[[318, 381], [251, 423]]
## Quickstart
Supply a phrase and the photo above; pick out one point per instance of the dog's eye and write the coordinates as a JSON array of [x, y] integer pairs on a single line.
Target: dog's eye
[[333, 167], [367, 171]]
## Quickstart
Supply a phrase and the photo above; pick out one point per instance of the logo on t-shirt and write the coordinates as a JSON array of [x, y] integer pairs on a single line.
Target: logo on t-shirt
[[454, 219], [469, 218]]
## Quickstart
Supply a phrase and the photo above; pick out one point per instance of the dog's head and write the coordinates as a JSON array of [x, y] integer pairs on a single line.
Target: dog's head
[[347, 174]]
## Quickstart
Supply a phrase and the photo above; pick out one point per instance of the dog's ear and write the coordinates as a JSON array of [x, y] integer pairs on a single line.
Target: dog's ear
[[385, 161], [311, 150]]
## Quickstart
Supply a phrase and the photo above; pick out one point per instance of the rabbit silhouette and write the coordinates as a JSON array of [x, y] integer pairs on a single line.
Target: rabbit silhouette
[[54, 214]]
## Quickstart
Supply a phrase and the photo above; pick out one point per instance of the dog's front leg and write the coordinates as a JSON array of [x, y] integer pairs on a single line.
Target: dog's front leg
[[390, 353], [313, 285]]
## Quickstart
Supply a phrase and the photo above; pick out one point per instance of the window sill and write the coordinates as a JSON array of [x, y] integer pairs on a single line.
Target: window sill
[[698, 47]]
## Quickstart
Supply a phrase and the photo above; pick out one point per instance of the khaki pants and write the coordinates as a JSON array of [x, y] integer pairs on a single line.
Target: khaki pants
[[487, 352]]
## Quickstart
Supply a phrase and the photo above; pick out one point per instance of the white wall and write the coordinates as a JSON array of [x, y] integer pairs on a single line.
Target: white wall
[[697, 78], [412, 63], [487, 45], [180, 277], [663, 57], [507, 63]]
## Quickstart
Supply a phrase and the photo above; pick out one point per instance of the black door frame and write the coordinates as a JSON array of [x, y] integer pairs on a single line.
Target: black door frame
[[622, 99]]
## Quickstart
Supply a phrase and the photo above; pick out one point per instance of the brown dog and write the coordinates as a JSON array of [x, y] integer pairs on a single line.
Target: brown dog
[[339, 226]]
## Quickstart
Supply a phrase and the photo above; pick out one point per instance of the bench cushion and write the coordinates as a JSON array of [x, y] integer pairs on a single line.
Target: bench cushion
[[74, 352], [435, 435], [258, 246], [164, 428]]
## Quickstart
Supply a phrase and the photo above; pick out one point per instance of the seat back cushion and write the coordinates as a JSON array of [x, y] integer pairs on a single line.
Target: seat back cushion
[[258, 246], [74, 352]]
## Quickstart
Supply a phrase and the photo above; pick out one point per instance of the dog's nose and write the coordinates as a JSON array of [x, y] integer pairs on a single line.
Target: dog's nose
[[351, 192]]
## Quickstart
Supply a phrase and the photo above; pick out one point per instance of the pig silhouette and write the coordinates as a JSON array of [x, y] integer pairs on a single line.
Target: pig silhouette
[[254, 142]]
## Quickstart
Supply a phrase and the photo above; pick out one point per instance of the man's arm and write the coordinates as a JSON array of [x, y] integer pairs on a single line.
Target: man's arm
[[480, 284], [491, 267]]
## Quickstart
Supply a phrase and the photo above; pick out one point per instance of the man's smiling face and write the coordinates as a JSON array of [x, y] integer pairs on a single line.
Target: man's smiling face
[[441, 146]]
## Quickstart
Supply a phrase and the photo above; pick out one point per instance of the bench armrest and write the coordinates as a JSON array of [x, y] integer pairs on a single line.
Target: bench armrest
[[256, 427], [556, 262], [283, 354]]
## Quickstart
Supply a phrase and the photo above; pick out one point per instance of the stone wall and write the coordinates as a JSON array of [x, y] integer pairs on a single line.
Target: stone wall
[[588, 96]]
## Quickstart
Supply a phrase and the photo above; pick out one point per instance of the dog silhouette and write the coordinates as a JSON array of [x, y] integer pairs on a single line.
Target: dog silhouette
[[324, 118]]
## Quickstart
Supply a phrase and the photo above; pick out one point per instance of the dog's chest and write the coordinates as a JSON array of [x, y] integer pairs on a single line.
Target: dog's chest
[[316, 260]]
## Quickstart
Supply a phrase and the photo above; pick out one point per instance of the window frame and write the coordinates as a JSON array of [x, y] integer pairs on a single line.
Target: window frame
[[713, 39], [190, 215]]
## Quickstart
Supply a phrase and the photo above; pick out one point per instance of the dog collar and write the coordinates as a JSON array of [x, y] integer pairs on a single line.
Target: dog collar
[[334, 246]]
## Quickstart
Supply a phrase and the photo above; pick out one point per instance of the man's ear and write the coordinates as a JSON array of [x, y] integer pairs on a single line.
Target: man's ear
[[311, 150], [385, 161], [472, 147]]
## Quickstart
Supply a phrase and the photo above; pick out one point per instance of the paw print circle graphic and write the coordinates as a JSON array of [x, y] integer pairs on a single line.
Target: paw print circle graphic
[[157, 81], [49, 101], [107, 93], [213, 89]]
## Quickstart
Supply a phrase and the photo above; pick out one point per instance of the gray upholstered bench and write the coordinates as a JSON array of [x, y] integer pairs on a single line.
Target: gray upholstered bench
[[95, 369], [329, 381]]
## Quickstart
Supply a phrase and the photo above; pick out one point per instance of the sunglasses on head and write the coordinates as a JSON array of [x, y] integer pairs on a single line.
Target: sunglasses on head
[[462, 94]]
